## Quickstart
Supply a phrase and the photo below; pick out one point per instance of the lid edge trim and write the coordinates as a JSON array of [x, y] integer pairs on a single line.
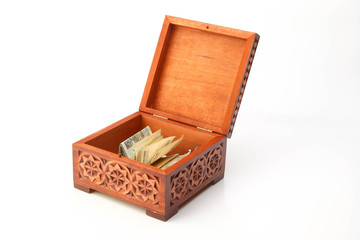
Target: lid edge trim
[[243, 85]]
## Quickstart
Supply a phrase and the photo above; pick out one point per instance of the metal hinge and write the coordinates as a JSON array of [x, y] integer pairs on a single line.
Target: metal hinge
[[204, 129], [160, 116]]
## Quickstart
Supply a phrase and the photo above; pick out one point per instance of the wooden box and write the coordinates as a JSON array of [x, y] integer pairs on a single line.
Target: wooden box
[[194, 88]]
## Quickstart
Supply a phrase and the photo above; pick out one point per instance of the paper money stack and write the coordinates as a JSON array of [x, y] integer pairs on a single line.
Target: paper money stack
[[151, 148]]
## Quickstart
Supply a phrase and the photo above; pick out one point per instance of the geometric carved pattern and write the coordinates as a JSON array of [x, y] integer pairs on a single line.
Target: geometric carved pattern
[[120, 178], [196, 173], [243, 85]]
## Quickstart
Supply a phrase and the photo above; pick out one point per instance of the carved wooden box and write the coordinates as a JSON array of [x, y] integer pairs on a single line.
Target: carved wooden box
[[194, 88]]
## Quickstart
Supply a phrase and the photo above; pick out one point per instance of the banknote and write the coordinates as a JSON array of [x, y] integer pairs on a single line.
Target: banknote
[[153, 138], [157, 152], [174, 160], [164, 160], [126, 148], [139, 150], [149, 151], [148, 147], [148, 140]]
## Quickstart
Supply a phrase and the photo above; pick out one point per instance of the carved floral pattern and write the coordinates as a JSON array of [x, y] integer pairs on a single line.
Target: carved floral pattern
[[92, 168], [243, 85], [119, 178], [214, 161], [179, 185], [196, 173]]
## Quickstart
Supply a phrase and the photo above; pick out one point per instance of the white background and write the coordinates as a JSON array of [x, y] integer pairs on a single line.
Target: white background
[[70, 68]]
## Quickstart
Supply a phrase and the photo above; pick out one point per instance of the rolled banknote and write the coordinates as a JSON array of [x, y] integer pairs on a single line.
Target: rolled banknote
[[158, 152], [147, 140], [126, 148], [155, 137], [175, 160], [149, 151], [164, 160]]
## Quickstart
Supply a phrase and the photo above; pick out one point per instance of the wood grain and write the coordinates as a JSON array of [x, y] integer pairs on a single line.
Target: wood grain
[[197, 73]]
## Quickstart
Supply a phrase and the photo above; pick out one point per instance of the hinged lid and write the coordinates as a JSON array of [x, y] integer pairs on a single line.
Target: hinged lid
[[198, 74]]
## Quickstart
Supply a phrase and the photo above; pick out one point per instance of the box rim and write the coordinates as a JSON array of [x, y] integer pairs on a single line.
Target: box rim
[[107, 154]]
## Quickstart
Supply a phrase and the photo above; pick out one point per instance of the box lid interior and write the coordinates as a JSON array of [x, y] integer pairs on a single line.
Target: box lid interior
[[199, 73]]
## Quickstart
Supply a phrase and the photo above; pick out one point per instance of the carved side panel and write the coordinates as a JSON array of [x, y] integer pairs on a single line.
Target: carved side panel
[[199, 171], [119, 178], [243, 85]]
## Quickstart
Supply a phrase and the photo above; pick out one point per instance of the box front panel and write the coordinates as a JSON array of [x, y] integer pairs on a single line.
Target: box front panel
[[119, 179]]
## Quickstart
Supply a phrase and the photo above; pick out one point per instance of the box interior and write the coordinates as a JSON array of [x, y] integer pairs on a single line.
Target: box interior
[[111, 139]]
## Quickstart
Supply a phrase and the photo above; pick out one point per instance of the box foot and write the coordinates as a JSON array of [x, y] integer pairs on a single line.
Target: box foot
[[161, 216], [218, 178], [83, 188]]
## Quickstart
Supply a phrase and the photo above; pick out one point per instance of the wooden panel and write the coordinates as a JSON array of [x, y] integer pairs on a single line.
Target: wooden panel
[[116, 177], [188, 179], [110, 139], [196, 73]]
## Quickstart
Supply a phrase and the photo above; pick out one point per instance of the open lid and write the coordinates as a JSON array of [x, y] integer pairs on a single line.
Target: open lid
[[199, 73]]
